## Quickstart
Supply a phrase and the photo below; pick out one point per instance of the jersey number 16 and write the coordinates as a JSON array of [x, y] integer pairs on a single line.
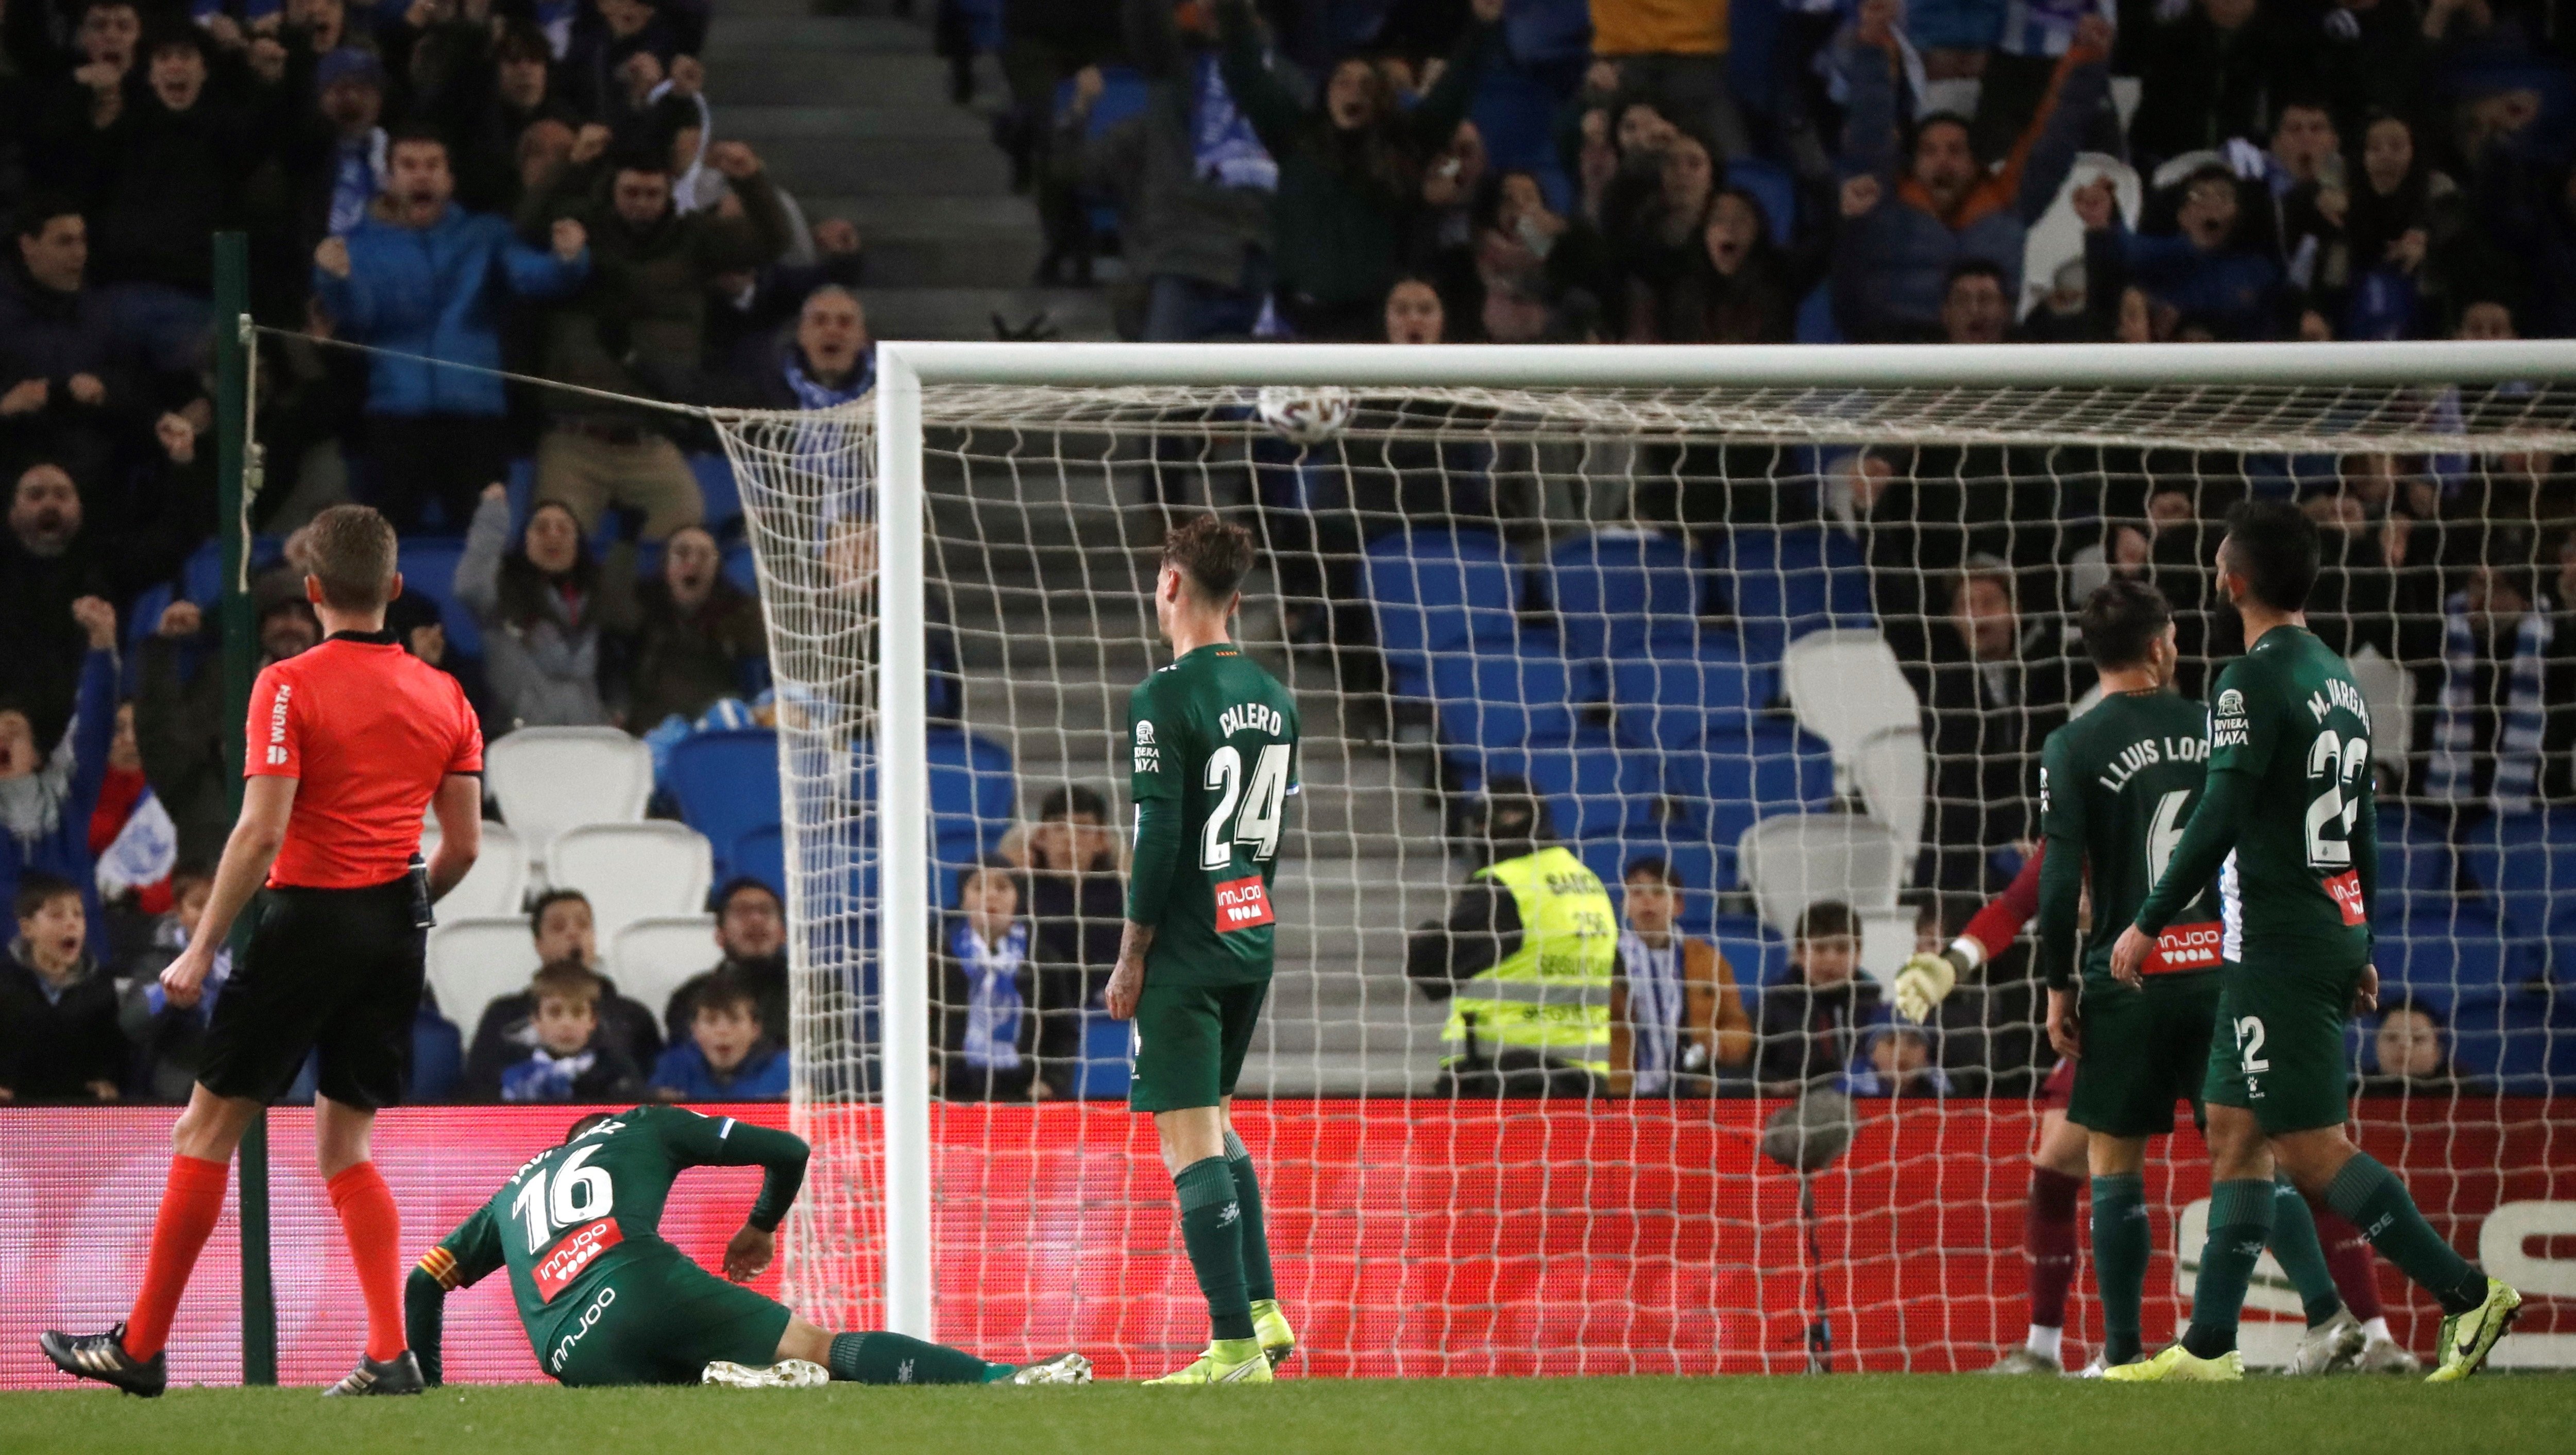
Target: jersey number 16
[[572, 1194], [1258, 823]]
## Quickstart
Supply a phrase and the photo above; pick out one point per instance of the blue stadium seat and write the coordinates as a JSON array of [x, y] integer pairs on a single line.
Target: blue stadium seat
[[201, 577], [726, 784], [1782, 582], [1515, 113], [1671, 699], [739, 567], [1439, 591], [428, 566], [717, 489], [1740, 775], [1694, 861], [2503, 1037], [1771, 185], [1757, 956], [1593, 790], [1816, 316], [762, 854], [1548, 30], [1616, 590], [2447, 949], [1507, 699], [2528, 862]]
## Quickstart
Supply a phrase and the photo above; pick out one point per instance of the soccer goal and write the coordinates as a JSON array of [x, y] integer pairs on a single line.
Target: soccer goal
[[1790, 623]]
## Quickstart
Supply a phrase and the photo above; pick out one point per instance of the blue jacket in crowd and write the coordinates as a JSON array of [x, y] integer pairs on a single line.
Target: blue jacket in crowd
[[762, 1076], [2235, 291], [46, 824], [432, 291]]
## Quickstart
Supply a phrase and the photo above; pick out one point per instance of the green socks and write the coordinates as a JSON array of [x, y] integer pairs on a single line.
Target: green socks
[[1257, 1281], [2120, 1247], [2294, 1243], [2371, 1198], [2240, 1223], [895, 1359], [1212, 1231]]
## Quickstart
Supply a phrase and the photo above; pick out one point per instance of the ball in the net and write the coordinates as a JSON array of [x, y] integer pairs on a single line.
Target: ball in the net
[[1305, 416]]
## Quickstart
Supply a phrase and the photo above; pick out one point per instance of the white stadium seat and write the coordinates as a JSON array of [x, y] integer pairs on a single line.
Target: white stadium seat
[[633, 871], [1846, 688], [496, 885], [473, 962], [1894, 779], [2390, 691], [652, 957], [1792, 861], [548, 779]]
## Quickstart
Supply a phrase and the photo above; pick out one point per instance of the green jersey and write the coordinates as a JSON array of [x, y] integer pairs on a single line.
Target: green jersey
[[573, 1215], [1215, 744], [2116, 787], [2288, 819]]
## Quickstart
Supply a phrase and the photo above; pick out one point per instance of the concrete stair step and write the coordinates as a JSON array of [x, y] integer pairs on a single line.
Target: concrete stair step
[[886, 166], [967, 313], [823, 76]]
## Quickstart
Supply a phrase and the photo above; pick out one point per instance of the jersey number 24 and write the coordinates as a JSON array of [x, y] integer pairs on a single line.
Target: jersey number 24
[[1258, 822]]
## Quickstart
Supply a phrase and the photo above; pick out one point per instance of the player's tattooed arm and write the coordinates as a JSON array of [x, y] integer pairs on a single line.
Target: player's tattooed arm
[[1127, 981]]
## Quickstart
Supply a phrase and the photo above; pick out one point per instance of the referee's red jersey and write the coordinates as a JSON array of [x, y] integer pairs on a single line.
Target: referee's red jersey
[[371, 730]]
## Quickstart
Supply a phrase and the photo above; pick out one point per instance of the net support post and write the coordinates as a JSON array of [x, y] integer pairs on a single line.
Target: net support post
[[903, 839]]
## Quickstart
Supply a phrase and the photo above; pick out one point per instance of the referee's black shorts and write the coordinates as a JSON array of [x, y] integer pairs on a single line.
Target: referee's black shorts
[[333, 971]]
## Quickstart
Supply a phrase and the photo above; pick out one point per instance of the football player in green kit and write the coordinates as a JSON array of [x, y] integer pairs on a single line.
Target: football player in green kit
[[2287, 823], [606, 1301], [1215, 745], [2115, 787]]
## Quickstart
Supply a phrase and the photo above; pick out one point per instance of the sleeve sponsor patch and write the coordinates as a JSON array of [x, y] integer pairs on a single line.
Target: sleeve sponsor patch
[[1149, 754], [2227, 727]]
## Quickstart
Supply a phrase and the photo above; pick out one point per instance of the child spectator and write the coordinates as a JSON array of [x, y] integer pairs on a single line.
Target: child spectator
[[169, 1039], [538, 606], [725, 1058], [1812, 1022], [1675, 1015], [751, 934], [58, 1034], [47, 800], [1899, 1063], [2411, 1055], [564, 929], [571, 1060], [986, 1025]]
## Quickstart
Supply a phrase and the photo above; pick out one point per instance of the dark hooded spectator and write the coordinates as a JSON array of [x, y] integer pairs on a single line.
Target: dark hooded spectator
[[47, 798], [71, 379], [537, 602], [422, 279], [2207, 77], [619, 50], [1350, 169], [2204, 271], [1661, 243], [1740, 288], [751, 937], [639, 322], [1907, 218], [181, 726], [59, 1039], [487, 109], [417, 621], [1993, 688], [1195, 180], [690, 637], [164, 167]]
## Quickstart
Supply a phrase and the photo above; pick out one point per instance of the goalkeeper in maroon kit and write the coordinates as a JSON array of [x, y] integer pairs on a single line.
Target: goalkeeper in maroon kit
[[606, 1301]]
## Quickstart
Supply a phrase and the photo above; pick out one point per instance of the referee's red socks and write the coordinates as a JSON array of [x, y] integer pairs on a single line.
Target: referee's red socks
[[374, 1225], [190, 1202]]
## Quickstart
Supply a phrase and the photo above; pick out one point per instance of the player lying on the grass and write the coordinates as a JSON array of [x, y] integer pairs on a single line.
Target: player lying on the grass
[[2060, 1162], [2287, 822], [606, 1301]]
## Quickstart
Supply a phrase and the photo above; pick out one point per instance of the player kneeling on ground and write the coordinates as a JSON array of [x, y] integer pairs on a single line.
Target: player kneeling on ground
[[606, 1301]]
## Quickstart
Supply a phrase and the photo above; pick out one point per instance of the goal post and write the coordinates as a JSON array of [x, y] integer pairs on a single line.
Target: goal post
[[856, 649]]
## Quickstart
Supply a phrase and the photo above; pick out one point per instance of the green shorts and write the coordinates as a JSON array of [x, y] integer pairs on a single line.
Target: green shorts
[[1190, 1041], [2144, 1050], [657, 1318], [2277, 1049]]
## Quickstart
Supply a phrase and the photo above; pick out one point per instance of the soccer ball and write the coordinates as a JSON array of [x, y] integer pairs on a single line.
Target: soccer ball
[[1305, 416]]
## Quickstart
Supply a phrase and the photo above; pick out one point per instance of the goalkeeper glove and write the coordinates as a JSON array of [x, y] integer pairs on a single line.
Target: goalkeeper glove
[[1922, 983]]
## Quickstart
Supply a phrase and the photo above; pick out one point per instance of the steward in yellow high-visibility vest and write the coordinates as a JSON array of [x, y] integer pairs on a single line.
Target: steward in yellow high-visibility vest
[[1526, 958]]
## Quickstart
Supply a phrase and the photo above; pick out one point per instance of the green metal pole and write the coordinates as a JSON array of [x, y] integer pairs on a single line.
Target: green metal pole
[[232, 455]]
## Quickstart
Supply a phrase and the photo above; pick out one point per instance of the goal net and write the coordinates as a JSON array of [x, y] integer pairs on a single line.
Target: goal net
[[1789, 625]]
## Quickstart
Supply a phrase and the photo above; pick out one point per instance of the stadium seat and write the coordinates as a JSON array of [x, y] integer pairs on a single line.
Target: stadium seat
[[1758, 954], [1846, 688], [633, 871], [201, 576], [498, 882], [2390, 691], [1439, 591], [473, 962], [652, 956], [1671, 696], [2447, 947], [1783, 582], [1518, 696], [549, 779], [973, 793], [2503, 1036], [1699, 867], [1795, 860], [1593, 790], [739, 567], [762, 854], [428, 566], [1615, 590], [717, 489], [1893, 776], [726, 784], [1774, 187], [2528, 862], [1739, 775]]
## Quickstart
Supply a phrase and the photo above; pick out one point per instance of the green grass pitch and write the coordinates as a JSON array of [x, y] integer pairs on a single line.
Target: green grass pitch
[[1877, 1414]]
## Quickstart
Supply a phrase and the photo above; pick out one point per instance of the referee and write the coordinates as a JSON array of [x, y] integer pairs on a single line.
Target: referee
[[346, 745]]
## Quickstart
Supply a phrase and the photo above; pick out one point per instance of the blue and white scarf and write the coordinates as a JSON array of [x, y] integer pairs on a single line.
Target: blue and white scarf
[[355, 180], [545, 1076], [1223, 148], [811, 394], [993, 1002], [2452, 772], [1654, 1010]]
